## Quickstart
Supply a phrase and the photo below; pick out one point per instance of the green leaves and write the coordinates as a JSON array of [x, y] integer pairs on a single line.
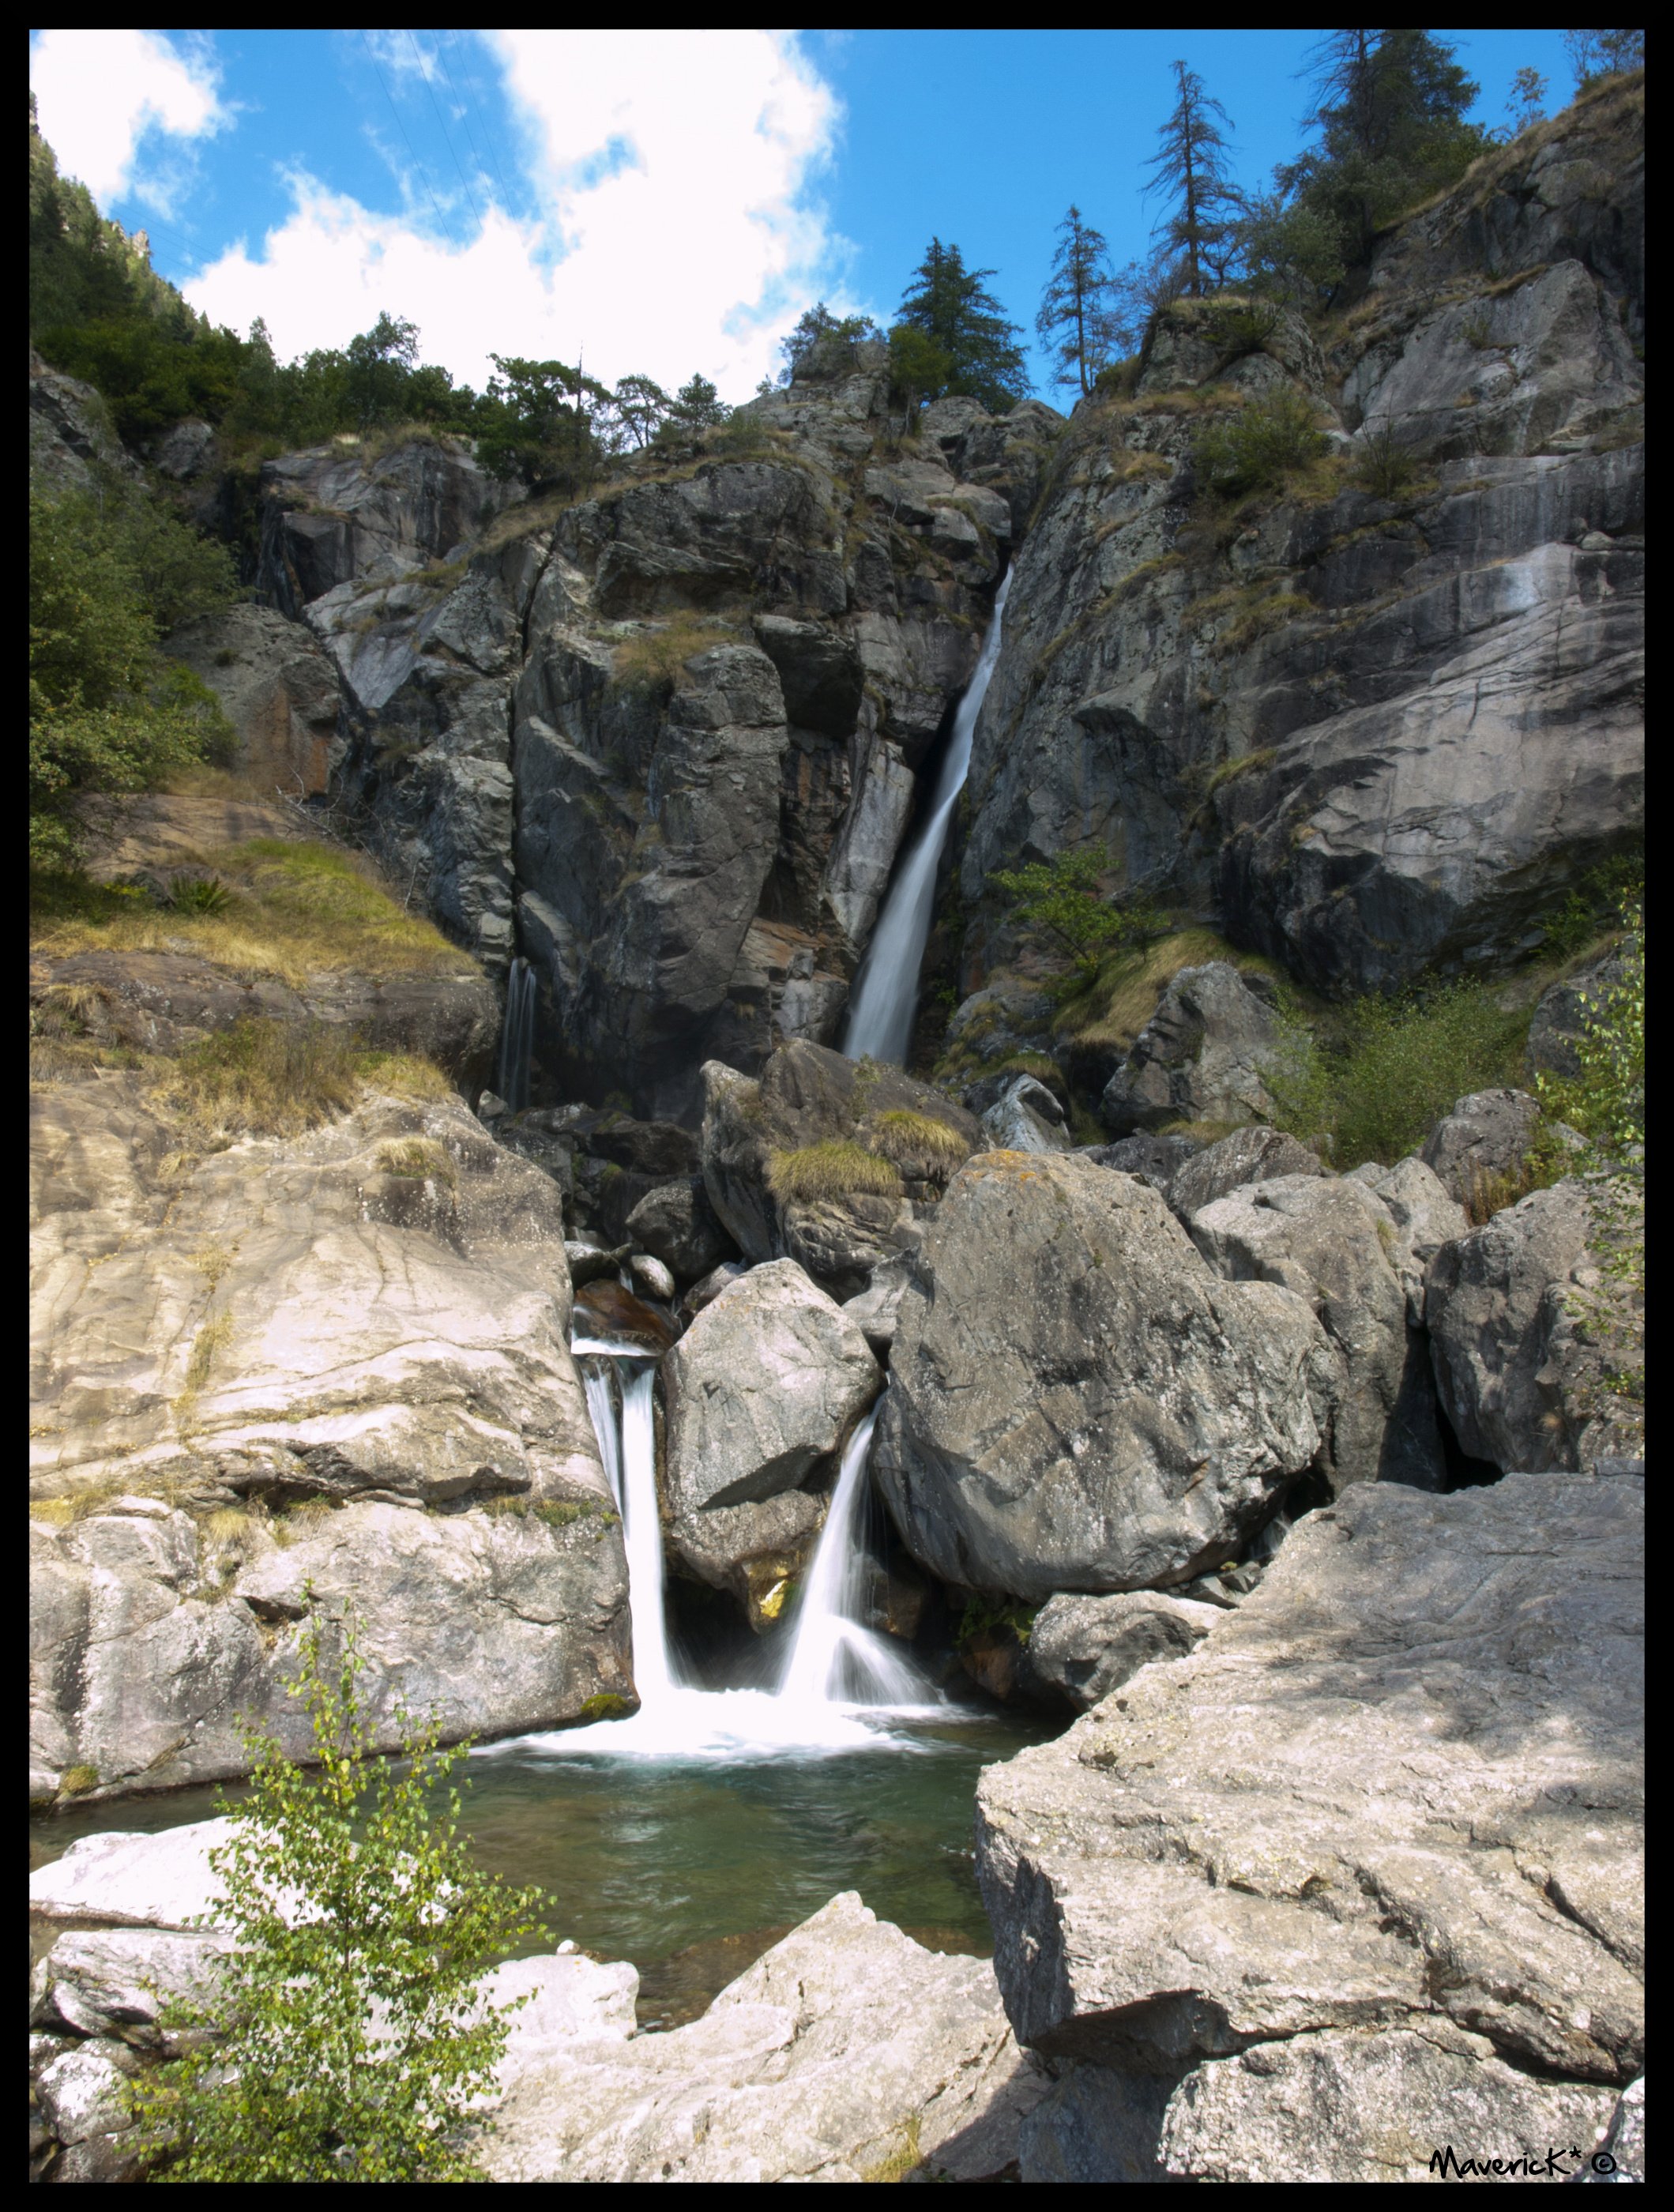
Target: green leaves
[[1060, 896], [948, 305], [352, 2036]]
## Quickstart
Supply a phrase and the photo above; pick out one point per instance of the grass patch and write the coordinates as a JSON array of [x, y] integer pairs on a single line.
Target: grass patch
[[291, 910], [1261, 446], [418, 1160], [1372, 1084], [832, 1170], [918, 1143], [1246, 764], [903, 2157], [78, 1780], [1122, 997], [262, 1078], [656, 657]]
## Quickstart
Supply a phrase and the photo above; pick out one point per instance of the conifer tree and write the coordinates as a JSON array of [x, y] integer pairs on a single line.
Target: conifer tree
[[949, 304], [1074, 317], [1190, 166]]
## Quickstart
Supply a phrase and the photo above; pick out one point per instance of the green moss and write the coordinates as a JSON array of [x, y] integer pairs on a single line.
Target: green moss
[[607, 1706]]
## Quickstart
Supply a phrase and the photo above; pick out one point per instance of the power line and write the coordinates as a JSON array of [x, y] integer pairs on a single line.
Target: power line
[[413, 42], [411, 149], [488, 135]]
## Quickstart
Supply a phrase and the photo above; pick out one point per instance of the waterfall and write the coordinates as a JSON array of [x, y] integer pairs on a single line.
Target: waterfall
[[838, 1668], [833, 1652], [517, 1036], [880, 1014]]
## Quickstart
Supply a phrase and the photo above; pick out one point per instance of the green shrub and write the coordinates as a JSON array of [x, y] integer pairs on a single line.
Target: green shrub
[[1061, 897], [1254, 449], [1373, 1090], [1384, 466], [1598, 903], [348, 2036], [831, 1170], [198, 895]]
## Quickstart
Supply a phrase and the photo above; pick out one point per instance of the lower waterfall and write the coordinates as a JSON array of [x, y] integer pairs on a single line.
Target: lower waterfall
[[838, 1669], [517, 1036]]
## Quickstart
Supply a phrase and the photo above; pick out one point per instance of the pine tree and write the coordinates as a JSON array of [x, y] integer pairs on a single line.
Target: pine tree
[[1191, 168], [1074, 317], [698, 405], [949, 304]]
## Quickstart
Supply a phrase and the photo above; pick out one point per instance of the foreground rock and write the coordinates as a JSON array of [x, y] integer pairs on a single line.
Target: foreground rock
[[370, 1316], [846, 2053], [1477, 1150], [1513, 1308], [1076, 1400], [1252, 1155], [762, 1392], [1374, 1847]]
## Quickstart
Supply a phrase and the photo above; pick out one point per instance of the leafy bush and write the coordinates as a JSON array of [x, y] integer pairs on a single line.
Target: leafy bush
[[1060, 896], [831, 1170], [1395, 1067], [1254, 449], [1604, 895], [198, 895], [349, 2032], [1384, 465], [657, 656]]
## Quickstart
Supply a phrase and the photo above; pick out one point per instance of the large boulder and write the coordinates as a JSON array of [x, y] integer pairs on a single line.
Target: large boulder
[[1086, 1647], [1374, 1847], [152, 1645], [762, 1392], [675, 1222], [809, 1096], [1424, 1215], [846, 2053], [1202, 1056], [1026, 1118], [1477, 1150], [372, 1315], [1336, 1243], [1522, 1366], [1077, 1401], [1247, 1156]]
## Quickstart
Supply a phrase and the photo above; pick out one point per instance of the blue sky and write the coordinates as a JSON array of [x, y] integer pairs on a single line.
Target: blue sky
[[657, 201]]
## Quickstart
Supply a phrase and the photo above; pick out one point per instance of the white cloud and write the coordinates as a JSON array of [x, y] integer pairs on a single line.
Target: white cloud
[[674, 171], [100, 94]]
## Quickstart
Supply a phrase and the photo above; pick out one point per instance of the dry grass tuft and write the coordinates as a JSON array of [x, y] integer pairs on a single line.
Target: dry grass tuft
[[918, 1143], [417, 1158], [832, 1170], [261, 1079], [657, 656]]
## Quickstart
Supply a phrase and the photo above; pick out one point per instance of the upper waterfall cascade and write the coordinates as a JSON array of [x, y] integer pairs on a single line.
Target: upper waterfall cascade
[[880, 1015], [517, 1036]]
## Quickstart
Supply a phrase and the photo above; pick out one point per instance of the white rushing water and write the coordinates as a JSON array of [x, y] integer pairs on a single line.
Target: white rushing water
[[517, 1036], [838, 1669], [880, 1015]]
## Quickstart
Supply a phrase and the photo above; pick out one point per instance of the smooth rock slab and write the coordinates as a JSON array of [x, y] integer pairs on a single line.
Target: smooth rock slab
[[844, 2046], [1397, 1792], [1076, 1400]]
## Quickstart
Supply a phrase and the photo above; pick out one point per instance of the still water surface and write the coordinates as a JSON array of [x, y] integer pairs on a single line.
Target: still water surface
[[692, 1868]]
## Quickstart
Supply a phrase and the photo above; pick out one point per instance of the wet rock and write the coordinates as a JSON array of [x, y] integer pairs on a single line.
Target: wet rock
[[1201, 1056], [652, 1277], [676, 1222], [1225, 1874], [615, 1316], [1335, 1244], [847, 2052], [761, 1390], [1476, 1152], [753, 1551], [1252, 1155], [1076, 1399], [1519, 1371], [593, 1263], [1086, 1647]]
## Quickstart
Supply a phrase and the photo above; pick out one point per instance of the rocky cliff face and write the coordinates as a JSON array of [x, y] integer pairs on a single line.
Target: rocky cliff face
[[662, 741], [1369, 733]]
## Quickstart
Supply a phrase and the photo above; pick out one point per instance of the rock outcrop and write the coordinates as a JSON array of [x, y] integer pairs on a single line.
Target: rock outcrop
[[1076, 1400], [1202, 1056], [1514, 1310], [1476, 1152], [371, 1316], [279, 690], [1374, 1847], [1086, 1647]]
